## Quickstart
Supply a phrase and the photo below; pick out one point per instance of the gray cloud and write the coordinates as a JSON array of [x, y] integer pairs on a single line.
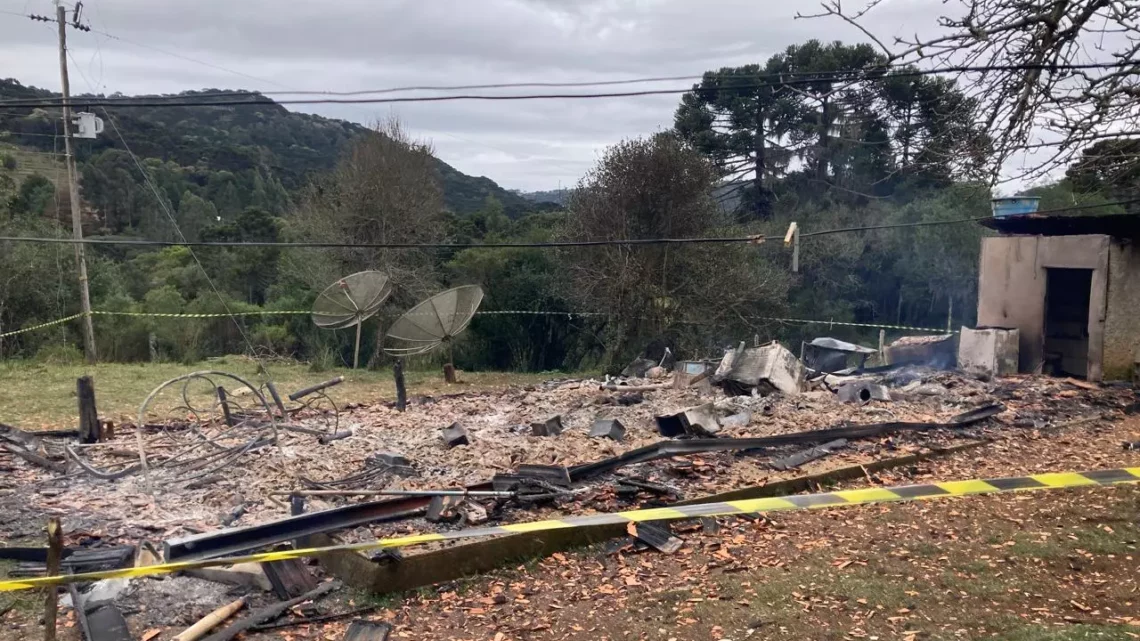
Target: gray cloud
[[363, 44]]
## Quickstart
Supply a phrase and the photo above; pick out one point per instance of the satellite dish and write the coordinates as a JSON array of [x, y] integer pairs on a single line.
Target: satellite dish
[[350, 301], [434, 322]]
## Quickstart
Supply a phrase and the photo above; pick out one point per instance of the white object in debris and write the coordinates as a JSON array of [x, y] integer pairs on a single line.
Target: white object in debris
[[104, 591], [769, 368], [988, 352]]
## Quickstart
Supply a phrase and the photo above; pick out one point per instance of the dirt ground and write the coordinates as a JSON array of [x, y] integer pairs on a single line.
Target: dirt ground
[[1057, 565], [1052, 565]]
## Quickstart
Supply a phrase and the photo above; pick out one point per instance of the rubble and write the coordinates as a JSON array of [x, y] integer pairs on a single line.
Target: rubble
[[271, 612], [696, 421], [638, 368], [862, 392], [810, 454], [442, 508], [830, 355], [768, 369], [550, 427], [455, 435], [720, 444], [610, 428], [361, 630], [934, 351]]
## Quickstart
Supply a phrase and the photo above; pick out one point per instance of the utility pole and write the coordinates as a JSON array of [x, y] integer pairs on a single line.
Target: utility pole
[[73, 185]]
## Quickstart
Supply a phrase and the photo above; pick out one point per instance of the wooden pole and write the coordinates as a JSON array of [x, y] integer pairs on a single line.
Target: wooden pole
[[796, 252], [54, 556], [89, 431], [882, 347], [210, 621], [356, 353], [73, 191], [225, 406], [448, 373], [401, 390]]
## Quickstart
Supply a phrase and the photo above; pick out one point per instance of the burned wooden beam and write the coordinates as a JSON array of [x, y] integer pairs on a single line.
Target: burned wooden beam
[[210, 621], [656, 536], [271, 612], [89, 429], [401, 387], [325, 439], [224, 402], [805, 456], [553, 474], [289, 578], [35, 459], [299, 394]]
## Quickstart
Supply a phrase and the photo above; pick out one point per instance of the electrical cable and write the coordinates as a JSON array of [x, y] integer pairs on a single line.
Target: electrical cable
[[260, 98], [757, 239], [754, 239]]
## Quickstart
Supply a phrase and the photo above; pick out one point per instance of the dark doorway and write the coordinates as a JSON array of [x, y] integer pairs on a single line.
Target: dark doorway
[[1067, 293]]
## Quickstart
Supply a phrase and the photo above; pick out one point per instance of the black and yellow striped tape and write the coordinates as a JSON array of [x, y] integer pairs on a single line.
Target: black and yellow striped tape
[[839, 498]]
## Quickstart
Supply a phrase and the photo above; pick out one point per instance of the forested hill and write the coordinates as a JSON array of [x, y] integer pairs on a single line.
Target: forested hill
[[233, 156]]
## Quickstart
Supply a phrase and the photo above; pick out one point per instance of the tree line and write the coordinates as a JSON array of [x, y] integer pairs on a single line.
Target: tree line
[[748, 153]]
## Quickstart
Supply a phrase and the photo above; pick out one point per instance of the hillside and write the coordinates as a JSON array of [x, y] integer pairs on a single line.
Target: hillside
[[260, 147], [555, 196]]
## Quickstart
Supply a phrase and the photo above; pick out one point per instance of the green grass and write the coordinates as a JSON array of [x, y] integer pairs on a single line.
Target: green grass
[[1079, 632], [36, 396]]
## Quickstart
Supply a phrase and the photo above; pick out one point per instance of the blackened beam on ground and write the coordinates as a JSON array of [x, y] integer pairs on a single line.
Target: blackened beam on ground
[[299, 394], [237, 540], [664, 449], [75, 559]]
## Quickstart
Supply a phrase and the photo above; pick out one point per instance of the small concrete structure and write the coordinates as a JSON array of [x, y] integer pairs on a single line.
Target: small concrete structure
[[988, 352], [610, 428], [1070, 285]]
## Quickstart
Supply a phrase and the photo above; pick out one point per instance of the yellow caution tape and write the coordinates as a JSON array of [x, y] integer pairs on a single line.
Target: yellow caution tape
[[57, 321], [841, 498], [511, 312]]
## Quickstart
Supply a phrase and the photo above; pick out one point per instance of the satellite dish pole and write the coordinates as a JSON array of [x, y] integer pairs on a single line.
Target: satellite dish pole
[[435, 321], [351, 301]]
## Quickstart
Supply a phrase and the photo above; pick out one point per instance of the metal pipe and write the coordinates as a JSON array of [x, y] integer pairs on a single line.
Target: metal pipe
[[488, 493], [299, 394]]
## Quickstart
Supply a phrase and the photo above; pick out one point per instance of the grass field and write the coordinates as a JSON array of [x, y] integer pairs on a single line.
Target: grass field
[[37, 396]]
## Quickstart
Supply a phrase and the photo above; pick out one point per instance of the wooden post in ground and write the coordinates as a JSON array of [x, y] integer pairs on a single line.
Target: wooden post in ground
[[448, 373], [54, 556], [882, 347], [225, 406], [89, 429], [401, 390]]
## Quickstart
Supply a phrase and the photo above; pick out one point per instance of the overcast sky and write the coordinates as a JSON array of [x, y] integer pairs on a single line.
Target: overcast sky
[[346, 45]]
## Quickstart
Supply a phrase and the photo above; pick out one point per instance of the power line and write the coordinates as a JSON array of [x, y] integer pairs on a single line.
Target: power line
[[260, 98], [757, 239], [753, 239]]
